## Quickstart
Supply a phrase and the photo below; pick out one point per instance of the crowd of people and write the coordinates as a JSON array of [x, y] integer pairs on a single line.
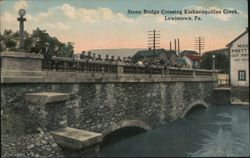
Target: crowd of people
[[145, 61], [89, 56], [111, 59]]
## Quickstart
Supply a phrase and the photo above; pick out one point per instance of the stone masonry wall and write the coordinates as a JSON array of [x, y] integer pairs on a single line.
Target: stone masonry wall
[[98, 106], [93, 106], [240, 94]]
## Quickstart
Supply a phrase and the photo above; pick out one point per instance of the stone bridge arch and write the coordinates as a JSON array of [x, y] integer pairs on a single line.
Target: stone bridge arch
[[126, 123], [196, 103]]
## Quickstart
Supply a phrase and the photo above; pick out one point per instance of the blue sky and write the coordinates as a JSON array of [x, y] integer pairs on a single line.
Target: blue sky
[[97, 24], [123, 5]]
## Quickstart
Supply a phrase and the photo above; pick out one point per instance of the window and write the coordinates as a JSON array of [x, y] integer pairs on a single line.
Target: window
[[242, 75]]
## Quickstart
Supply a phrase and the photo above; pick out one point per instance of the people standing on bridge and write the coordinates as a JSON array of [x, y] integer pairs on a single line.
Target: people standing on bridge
[[128, 59], [54, 63], [56, 51], [112, 60], [83, 55], [118, 59], [47, 55], [89, 56], [124, 59], [99, 58], [161, 62], [106, 58], [34, 48], [140, 62], [94, 56]]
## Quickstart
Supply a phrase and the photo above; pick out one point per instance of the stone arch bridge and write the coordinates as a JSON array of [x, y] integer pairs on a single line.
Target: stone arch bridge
[[98, 97]]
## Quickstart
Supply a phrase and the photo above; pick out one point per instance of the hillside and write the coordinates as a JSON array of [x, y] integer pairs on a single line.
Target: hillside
[[123, 52]]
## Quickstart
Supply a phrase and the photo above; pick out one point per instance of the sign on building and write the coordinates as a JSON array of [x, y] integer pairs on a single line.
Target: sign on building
[[239, 68]]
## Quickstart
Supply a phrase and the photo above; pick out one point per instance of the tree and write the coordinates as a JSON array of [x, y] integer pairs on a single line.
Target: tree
[[39, 37], [221, 62], [9, 40]]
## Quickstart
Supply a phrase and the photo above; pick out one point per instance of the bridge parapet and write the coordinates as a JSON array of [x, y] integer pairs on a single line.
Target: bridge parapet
[[21, 67]]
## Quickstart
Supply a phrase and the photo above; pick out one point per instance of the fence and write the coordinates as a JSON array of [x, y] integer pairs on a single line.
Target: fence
[[82, 65], [67, 64]]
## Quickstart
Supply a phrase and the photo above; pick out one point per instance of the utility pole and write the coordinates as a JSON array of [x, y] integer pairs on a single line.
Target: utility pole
[[178, 43], [199, 44], [21, 19], [0, 24], [175, 46], [153, 38]]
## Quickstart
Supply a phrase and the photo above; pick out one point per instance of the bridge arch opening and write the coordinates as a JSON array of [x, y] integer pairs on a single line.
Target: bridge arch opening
[[123, 130], [198, 106]]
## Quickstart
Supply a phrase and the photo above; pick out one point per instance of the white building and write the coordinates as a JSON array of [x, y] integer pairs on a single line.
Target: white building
[[239, 68], [192, 61]]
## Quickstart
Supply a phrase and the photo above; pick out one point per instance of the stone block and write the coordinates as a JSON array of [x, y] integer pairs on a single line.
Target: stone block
[[46, 97], [240, 103], [75, 138], [21, 61], [222, 89]]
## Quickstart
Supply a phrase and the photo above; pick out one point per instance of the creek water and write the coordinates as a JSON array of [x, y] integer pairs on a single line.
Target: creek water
[[219, 131]]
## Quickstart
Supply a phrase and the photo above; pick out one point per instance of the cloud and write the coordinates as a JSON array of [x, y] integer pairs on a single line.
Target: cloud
[[68, 10], [59, 25], [9, 21], [21, 5], [102, 27], [91, 15]]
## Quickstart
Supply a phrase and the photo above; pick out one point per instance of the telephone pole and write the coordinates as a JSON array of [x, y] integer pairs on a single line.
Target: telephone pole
[[199, 44], [153, 41]]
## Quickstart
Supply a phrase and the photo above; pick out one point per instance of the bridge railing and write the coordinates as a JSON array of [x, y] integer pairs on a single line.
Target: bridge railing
[[80, 65], [33, 64], [139, 69], [179, 71]]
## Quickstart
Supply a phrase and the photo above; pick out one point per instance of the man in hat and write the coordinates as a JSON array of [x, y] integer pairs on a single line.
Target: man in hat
[[34, 47], [47, 55], [54, 63], [83, 55]]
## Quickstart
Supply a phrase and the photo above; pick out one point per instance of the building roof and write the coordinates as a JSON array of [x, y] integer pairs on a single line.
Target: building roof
[[186, 52], [224, 51], [147, 53], [230, 44], [192, 57], [150, 53]]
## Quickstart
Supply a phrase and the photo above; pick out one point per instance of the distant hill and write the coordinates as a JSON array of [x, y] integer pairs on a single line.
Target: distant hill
[[123, 52]]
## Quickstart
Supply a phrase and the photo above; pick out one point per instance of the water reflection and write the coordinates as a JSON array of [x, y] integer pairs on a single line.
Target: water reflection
[[220, 131]]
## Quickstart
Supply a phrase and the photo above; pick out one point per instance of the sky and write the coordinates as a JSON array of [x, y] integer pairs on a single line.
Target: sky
[[106, 24]]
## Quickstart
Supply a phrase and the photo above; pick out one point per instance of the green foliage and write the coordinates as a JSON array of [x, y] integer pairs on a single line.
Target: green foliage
[[221, 62], [9, 40], [38, 38]]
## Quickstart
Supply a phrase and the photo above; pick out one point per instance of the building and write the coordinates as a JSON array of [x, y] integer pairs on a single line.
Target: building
[[188, 52], [168, 56], [192, 61], [239, 67], [221, 59], [223, 51]]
